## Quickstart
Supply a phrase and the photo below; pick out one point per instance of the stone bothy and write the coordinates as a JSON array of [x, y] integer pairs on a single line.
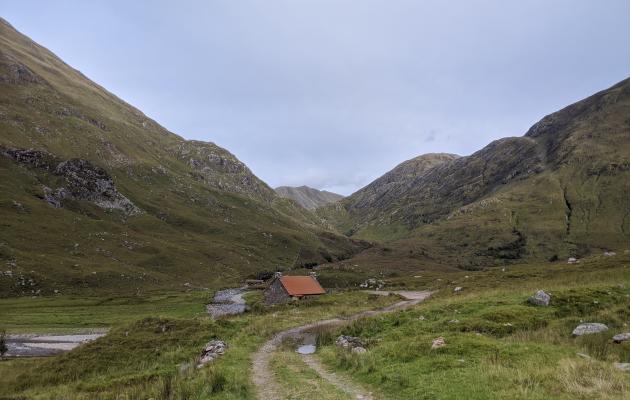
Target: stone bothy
[[284, 288]]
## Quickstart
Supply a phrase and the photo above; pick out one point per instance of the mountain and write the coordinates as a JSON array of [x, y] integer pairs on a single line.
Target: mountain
[[558, 191], [307, 197], [96, 196]]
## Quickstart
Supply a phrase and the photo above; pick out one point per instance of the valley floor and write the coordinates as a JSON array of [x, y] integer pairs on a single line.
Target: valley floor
[[497, 345]]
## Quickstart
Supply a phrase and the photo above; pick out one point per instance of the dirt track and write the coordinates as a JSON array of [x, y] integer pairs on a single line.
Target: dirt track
[[264, 379]]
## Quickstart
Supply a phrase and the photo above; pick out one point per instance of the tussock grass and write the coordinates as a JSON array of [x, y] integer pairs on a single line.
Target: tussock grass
[[498, 346], [155, 357]]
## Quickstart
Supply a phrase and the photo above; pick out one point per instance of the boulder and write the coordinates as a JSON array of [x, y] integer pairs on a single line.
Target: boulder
[[212, 350], [438, 342], [589, 328], [540, 298], [572, 260], [458, 289], [621, 337], [622, 366], [359, 350]]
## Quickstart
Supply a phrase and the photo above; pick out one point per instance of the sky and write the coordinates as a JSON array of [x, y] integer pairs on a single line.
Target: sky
[[334, 93]]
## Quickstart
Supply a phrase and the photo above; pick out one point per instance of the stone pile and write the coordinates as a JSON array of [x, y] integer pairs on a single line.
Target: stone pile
[[212, 350], [351, 343]]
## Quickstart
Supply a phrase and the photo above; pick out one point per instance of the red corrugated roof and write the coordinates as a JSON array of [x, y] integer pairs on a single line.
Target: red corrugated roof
[[301, 285]]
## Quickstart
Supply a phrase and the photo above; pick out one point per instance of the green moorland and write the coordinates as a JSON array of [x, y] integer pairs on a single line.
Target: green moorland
[[498, 346], [153, 342], [203, 215]]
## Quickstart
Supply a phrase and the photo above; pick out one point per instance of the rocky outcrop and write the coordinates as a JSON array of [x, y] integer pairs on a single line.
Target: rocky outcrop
[[14, 72], [220, 169], [83, 181]]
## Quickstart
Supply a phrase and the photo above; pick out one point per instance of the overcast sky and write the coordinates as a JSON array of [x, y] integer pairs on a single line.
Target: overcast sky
[[334, 93]]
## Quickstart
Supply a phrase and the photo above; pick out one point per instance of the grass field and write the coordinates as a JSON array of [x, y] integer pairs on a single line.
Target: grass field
[[498, 346], [153, 357]]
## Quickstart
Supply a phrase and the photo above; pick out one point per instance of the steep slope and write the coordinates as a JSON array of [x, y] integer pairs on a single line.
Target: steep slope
[[94, 195], [307, 197], [370, 202], [560, 190]]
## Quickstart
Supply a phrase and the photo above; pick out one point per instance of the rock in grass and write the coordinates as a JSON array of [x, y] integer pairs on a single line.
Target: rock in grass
[[589, 328], [359, 350], [621, 337], [349, 342], [622, 366], [540, 298], [212, 350], [458, 289], [437, 343]]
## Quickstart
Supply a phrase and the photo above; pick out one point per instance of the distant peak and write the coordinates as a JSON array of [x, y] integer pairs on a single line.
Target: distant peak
[[308, 197]]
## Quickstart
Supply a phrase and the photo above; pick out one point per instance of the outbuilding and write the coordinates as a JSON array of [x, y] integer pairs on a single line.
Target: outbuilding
[[284, 288]]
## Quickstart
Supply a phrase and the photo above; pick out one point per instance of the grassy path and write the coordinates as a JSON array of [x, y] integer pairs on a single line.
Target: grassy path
[[267, 387], [350, 388]]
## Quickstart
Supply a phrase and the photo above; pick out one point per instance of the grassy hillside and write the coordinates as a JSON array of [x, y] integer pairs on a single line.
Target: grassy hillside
[[559, 191], [497, 346], [199, 217]]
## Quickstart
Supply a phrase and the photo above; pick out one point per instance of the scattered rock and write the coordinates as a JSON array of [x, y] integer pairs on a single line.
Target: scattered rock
[[622, 366], [359, 350], [621, 337], [589, 328], [349, 342], [212, 350], [609, 253], [458, 289], [372, 283], [540, 298], [572, 260], [437, 343], [421, 318]]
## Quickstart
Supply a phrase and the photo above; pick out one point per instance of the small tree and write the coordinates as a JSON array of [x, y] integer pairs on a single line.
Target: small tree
[[3, 343]]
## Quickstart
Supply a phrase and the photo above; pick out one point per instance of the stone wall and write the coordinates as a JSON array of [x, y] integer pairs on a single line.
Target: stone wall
[[275, 293]]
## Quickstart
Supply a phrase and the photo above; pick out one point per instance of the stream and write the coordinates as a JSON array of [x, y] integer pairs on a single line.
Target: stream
[[35, 345], [227, 302]]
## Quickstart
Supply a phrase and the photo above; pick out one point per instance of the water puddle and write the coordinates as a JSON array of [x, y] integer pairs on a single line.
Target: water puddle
[[307, 344], [306, 349]]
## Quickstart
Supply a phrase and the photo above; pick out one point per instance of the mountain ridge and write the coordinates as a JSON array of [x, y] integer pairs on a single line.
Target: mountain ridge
[[308, 197], [96, 196], [555, 192]]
